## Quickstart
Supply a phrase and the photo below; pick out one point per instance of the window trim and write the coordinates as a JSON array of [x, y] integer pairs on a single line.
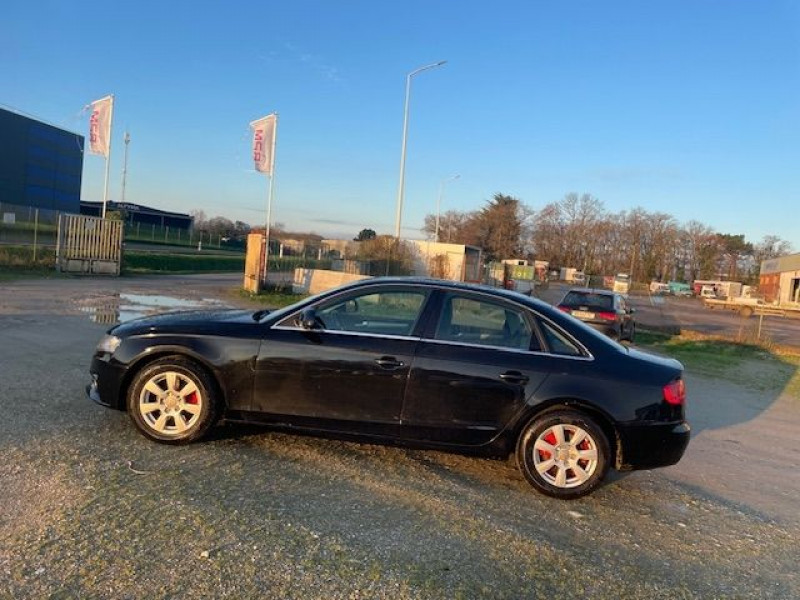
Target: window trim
[[431, 291], [507, 349], [344, 295]]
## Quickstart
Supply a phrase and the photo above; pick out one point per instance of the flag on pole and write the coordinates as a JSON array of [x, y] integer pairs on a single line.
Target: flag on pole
[[264, 143], [100, 126]]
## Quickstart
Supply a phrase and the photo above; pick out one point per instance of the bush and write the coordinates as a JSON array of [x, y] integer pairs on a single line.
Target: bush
[[170, 263], [21, 257]]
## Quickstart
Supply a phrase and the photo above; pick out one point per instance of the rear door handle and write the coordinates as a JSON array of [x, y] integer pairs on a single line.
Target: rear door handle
[[514, 377], [390, 363]]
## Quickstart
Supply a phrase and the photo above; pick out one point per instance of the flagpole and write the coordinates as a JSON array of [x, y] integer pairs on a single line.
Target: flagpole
[[108, 156], [269, 198]]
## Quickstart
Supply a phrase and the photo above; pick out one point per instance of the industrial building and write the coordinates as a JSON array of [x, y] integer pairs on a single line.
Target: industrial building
[[40, 167], [139, 215], [780, 279]]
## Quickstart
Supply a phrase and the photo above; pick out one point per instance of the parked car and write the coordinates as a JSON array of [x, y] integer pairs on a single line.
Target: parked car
[[606, 311], [433, 363], [658, 288]]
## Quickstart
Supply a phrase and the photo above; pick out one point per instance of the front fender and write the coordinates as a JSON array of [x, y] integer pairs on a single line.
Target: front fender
[[229, 361]]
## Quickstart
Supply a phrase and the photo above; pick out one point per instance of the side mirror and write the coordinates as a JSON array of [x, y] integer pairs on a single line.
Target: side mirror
[[308, 319], [631, 311]]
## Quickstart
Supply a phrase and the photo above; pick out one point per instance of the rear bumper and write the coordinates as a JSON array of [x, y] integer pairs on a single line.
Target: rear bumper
[[612, 330], [653, 445]]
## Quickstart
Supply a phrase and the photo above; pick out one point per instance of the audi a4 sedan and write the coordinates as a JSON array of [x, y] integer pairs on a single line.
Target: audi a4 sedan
[[422, 362], [606, 311]]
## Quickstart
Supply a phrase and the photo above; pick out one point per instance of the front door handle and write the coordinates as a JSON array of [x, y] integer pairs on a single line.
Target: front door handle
[[390, 363], [514, 377]]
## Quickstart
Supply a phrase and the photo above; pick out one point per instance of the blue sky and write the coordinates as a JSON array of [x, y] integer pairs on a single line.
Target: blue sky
[[686, 107]]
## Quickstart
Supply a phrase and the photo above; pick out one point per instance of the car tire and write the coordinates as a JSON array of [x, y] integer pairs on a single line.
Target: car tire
[[553, 464], [172, 400]]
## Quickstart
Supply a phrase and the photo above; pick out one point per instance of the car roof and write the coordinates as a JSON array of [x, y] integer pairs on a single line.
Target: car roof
[[592, 291], [447, 284]]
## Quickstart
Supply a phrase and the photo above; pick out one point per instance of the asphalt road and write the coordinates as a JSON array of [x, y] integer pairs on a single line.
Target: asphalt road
[[92, 509]]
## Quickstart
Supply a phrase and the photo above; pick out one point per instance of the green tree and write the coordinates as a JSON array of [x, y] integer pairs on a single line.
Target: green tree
[[498, 227], [732, 248], [364, 235]]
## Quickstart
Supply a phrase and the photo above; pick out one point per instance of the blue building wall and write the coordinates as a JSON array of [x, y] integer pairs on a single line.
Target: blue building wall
[[40, 165]]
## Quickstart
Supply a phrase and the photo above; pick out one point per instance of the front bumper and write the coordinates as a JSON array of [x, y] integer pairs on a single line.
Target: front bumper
[[93, 393], [104, 387], [653, 445]]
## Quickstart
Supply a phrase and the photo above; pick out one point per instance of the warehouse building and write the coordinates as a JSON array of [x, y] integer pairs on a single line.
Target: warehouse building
[[780, 279], [138, 215], [40, 167]]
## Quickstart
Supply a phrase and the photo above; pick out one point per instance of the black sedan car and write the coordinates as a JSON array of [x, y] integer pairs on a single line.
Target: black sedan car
[[432, 363], [606, 311]]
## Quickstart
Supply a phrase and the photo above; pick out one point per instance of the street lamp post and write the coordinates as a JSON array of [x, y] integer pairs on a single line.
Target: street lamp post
[[439, 203], [401, 185]]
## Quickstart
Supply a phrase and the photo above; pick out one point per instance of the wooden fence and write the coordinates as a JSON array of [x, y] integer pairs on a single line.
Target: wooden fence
[[89, 245]]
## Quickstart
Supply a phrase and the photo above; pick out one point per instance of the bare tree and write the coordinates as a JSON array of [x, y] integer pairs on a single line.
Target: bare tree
[[452, 226], [771, 246]]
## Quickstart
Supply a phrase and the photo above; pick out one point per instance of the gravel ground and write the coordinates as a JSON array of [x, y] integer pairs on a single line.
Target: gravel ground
[[91, 509]]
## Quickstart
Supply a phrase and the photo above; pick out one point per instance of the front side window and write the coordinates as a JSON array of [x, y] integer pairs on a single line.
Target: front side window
[[484, 323], [385, 313]]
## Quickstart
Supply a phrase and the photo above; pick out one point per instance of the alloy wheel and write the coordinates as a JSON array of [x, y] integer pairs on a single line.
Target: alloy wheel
[[565, 455], [170, 403]]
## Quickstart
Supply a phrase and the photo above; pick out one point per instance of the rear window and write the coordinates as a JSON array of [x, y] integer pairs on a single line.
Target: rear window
[[589, 300]]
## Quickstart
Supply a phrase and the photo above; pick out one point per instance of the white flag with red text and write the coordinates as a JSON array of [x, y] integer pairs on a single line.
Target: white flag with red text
[[100, 125], [264, 143]]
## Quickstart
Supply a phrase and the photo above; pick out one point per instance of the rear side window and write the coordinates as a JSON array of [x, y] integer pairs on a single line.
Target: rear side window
[[557, 342], [483, 323]]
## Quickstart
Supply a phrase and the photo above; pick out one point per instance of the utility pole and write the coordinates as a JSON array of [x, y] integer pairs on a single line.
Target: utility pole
[[127, 140]]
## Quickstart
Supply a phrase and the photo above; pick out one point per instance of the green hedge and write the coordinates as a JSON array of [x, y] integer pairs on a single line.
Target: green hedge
[[21, 257], [150, 261]]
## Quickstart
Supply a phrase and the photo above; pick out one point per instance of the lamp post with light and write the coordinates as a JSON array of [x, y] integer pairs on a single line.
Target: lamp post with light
[[401, 185]]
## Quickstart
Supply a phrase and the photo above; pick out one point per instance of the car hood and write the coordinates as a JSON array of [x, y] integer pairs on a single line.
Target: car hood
[[192, 321]]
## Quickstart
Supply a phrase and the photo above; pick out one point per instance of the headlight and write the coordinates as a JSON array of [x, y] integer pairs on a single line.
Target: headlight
[[108, 343]]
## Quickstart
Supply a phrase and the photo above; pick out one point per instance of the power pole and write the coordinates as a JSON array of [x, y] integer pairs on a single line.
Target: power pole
[[127, 140]]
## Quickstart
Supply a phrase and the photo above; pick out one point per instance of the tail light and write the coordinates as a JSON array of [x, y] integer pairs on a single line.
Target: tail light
[[607, 316], [675, 393], [564, 309]]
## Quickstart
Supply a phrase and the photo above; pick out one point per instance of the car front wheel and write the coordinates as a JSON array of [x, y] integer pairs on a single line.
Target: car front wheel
[[563, 454], [171, 400]]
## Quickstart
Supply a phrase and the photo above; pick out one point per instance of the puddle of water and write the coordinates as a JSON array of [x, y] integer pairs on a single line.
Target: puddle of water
[[118, 308]]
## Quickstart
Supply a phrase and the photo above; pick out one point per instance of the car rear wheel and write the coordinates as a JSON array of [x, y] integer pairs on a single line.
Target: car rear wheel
[[564, 454], [171, 400]]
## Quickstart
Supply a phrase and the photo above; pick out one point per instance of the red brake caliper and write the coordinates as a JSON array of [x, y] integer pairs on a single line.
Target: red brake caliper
[[192, 398], [550, 438]]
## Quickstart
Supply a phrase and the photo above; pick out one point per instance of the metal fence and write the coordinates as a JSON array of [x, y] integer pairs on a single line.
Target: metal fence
[[27, 226], [175, 236]]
